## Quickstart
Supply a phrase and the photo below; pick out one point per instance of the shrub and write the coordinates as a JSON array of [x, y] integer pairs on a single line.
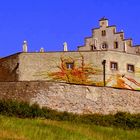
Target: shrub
[[24, 110]]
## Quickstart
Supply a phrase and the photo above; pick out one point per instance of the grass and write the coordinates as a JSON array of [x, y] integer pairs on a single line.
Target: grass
[[12, 128]]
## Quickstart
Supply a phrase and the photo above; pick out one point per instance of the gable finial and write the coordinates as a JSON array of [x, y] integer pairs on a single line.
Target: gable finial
[[25, 46], [42, 50], [65, 46]]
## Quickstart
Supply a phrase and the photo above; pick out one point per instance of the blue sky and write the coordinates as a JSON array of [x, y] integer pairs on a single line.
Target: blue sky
[[49, 23]]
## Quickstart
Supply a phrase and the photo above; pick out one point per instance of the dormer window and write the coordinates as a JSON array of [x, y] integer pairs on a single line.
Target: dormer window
[[116, 45], [103, 33]]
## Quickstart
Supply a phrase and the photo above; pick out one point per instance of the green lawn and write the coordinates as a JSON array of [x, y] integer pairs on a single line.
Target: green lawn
[[41, 129]]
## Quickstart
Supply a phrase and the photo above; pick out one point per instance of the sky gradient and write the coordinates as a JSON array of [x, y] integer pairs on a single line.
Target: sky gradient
[[47, 24]]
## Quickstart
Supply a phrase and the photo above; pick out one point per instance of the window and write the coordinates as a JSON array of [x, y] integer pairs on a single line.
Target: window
[[114, 30], [114, 65], [103, 33], [70, 65], [130, 68], [93, 47], [104, 46], [130, 43], [102, 23], [122, 36], [116, 45]]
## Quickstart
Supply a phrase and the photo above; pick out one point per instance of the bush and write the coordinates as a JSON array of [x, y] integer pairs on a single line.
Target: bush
[[24, 110]]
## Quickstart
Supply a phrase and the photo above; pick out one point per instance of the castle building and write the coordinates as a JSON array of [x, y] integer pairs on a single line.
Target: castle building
[[106, 59]]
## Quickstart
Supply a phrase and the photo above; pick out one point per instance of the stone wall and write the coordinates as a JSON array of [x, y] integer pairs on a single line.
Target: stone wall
[[72, 98], [9, 68]]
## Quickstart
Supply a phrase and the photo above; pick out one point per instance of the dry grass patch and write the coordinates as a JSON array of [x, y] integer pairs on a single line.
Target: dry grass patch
[[10, 135]]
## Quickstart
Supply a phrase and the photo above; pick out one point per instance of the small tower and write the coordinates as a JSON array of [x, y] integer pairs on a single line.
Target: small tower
[[42, 50], [65, 46], [25, 47], [103, 22]]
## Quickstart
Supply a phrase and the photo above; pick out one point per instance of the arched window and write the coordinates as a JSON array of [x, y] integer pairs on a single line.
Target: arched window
[[95, 41], [93, 47], [104, 46]]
